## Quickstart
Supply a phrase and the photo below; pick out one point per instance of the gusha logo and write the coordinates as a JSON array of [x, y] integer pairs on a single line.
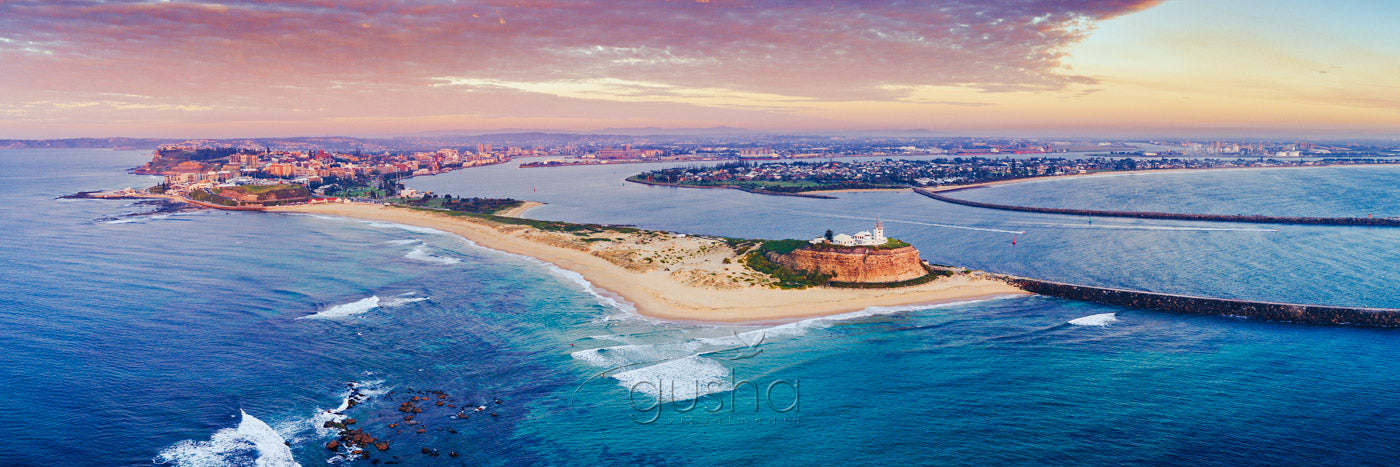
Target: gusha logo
[[781, 396], [650, 398], [750, 350]]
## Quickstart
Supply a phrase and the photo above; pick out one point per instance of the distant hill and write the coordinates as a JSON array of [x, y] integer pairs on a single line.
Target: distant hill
[[76, 143], [656, 131]]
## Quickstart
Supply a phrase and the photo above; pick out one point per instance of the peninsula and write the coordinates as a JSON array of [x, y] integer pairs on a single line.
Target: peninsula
[[676, 276], [812, 179]]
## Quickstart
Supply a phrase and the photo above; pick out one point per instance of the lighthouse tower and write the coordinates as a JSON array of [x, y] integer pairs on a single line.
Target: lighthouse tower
[[879, 232]]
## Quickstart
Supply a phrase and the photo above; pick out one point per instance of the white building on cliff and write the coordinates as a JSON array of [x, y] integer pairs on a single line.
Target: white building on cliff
[[875, 237]]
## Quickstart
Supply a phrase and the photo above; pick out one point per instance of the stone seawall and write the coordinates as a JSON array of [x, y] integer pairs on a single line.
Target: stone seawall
[[1366, 221], [857, 264], [1311, 314]]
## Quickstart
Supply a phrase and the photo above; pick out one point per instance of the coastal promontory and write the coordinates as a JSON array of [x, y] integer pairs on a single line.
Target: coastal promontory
[[695, 277]]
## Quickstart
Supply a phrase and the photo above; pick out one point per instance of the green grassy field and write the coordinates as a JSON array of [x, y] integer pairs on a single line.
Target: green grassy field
[[263, 189]]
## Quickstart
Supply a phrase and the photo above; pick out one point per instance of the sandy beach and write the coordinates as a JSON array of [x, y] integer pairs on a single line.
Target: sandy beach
[[520, 210], [670, 276]]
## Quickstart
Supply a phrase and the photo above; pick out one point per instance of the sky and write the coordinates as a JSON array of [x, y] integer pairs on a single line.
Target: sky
[[1111, 68]]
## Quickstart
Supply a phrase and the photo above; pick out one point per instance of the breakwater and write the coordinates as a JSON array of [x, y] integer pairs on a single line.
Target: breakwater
[[1286, 312], [1363, 221]]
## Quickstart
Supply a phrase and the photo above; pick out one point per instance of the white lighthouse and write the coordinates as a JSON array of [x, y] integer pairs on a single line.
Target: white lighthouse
[[862, 238]]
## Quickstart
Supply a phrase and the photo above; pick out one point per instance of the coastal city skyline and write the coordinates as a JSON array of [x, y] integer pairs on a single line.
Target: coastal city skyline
[[1125, 68]]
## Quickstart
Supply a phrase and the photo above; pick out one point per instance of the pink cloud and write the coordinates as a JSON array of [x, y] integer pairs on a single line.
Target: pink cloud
[[821, 49], [371, 57]]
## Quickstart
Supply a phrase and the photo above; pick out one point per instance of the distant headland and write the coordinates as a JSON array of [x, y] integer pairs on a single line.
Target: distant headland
[[813, 178]]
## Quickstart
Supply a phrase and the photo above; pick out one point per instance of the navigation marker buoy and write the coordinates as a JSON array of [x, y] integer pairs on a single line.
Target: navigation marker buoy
[[1013, 239]]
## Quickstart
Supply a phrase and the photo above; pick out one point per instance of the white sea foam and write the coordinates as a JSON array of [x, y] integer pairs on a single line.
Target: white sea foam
[[313, 426], [604, 297], [623, 355], [400, 300], [363, 306], [410, 228], [420, 253], [407, 241], [685, 361], [1101, 319], [121, 221], [678, 380], [343, 310], [802, 327], [250, 440]]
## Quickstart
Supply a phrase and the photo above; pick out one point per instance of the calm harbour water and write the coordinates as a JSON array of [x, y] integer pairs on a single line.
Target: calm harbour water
[[138, 339]]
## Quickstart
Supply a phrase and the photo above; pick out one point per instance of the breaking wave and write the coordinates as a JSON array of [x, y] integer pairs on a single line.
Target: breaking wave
[[420, 253], [678, 380], [252, 442], [410, 228], [685, 367], [363, 306], [313, 427], [604, 297], [1101, 319]]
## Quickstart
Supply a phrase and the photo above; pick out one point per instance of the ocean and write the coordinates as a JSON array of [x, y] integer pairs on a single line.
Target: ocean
[[223, 338]]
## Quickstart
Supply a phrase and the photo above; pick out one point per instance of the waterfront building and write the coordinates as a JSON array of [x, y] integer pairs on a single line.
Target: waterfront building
[[874, 237]]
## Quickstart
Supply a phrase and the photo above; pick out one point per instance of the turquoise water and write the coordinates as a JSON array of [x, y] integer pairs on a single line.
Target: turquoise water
[[138, 339], [1355, 191]]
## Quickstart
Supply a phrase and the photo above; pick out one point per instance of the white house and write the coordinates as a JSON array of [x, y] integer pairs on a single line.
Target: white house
[[875, 237]]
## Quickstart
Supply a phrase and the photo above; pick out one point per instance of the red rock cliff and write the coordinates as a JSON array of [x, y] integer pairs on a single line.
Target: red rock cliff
[[856, 264]]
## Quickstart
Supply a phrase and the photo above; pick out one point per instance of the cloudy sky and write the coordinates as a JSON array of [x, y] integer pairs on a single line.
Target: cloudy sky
[[1005, 67]]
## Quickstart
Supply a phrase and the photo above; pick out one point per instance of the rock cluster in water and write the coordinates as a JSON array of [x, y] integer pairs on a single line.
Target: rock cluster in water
[[354, 438]]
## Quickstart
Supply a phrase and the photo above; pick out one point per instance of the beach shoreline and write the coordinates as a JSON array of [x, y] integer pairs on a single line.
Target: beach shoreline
[[519, 211], [673, 295]]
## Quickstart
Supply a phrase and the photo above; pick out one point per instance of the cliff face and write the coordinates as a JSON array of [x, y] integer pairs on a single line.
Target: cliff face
[[857, 264]]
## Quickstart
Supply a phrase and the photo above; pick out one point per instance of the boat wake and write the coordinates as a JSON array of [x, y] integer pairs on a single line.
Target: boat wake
[[904, 221], [1151, 227]]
